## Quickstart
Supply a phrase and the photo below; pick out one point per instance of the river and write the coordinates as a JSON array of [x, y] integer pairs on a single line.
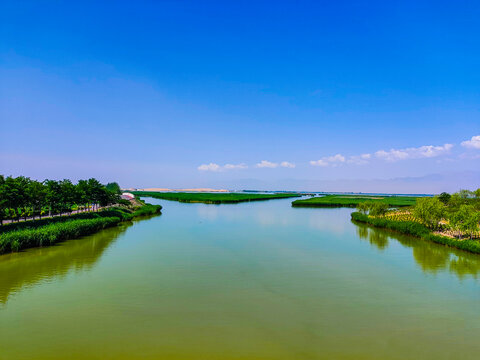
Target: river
[[258, 280]]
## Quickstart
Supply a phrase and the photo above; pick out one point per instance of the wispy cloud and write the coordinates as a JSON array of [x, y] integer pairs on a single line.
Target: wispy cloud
[[216, 168], [359, 159], [272, 165], [473, 143], [427, 151], [266, 164], [235, 166], [329, 161], [287, 164]]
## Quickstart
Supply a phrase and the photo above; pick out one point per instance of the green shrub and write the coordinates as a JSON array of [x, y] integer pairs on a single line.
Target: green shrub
[[147, 210], [53, 233], [33, 224], [419, 230]]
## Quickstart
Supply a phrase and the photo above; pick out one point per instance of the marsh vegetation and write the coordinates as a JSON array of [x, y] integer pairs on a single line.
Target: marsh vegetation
[[452, 220], [354, 200], [213, 198]]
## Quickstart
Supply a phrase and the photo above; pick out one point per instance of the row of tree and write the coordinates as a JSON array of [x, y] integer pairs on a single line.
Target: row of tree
[[22, 197]]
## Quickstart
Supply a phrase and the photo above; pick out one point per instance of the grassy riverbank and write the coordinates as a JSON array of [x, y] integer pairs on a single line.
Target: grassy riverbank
[[354, 200], [23, 235], [213, 198], [419, 230]]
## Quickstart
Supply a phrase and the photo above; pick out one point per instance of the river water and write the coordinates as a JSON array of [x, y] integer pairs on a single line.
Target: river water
[[258, 280]]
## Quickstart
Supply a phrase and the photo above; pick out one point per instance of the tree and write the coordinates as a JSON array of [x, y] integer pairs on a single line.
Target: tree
[[13, 196], [444, 197], [3, 200], [36, 194], [378, 208], [465, 220], [429, 211], [114, 188], [67, 195], [95, 191], [21, 196], [477, 193], [53, 196], [363, 207], [465, 194], [83, 193]]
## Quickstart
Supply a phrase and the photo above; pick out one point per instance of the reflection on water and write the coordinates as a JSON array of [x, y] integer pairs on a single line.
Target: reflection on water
[[248, 281], [431, 257], [19, 270]]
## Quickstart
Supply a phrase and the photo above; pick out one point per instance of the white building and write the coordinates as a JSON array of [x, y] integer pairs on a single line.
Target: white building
[[127, 196]]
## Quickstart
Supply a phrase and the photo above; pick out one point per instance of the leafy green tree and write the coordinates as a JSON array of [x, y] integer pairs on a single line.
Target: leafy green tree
[[378, 208], [53, 196], [444, 197], [13, 196], [22, 197], [465, 220], [430, 211], [466, 194], [3, 200], [95, 191], [477, 193], [114, 188], [82, 194], [67, 195], [36, 194], [363, 207]]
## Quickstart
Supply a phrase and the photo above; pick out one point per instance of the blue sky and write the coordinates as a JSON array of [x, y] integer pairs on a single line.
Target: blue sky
[[223, 94]]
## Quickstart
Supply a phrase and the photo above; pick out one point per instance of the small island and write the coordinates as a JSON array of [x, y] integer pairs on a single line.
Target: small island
[[354, 200], [213, 198]]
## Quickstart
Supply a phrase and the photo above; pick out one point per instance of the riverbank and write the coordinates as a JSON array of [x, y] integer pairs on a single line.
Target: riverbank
[[418, 230], [354, 200], [46, 232], [213, 198]]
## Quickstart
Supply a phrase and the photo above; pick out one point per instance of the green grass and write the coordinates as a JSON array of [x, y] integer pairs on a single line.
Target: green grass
[[213, 198], [27, 234], [123, 213], [146, 210], [354, 200], [418, 230], [33, 224], [53, 233]]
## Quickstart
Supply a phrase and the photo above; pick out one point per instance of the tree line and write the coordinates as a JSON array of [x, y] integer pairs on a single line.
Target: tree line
[[22, 197]]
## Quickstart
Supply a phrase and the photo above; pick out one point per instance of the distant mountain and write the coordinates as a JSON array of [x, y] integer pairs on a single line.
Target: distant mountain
[[428, 184]]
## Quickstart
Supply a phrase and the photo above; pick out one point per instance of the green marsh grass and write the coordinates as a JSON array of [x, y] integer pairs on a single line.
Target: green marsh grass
[[419, 230], [354, 200], [212, 198]]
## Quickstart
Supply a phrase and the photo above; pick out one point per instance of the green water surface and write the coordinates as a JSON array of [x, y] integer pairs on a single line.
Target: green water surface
[[256, 280]]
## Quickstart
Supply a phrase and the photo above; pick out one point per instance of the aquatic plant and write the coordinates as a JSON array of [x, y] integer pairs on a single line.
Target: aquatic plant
[[213, 198]]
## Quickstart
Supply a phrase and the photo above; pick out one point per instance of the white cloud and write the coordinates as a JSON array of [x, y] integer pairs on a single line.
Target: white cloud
[[319, 163], [215, 167], [359, 159], [330, 160], [233, 166], [473, 143], [209, 167], [287, 164], [427, 151], [266, 164]]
